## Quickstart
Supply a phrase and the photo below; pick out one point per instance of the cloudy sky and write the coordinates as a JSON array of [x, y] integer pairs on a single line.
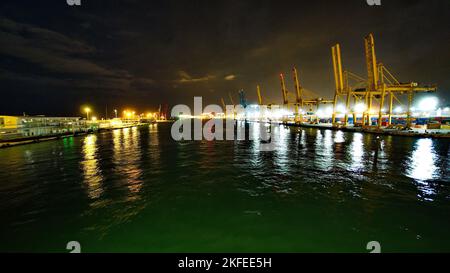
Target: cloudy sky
[[55, 57]]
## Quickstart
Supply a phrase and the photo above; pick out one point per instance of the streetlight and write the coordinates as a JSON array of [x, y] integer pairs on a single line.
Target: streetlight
[[87, 110], [115, 112]]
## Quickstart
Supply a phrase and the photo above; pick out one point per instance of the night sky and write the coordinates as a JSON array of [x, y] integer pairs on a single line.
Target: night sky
[[55, 57]]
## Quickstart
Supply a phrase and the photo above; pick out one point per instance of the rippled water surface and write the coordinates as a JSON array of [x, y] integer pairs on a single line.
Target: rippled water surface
[[138, 190]]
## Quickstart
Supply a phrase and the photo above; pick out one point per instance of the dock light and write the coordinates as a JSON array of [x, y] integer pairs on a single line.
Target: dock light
[[360, 108], [341, 109], [115, 112], [320, 113], [87, 110], [428, 104], [398, 109], [94, 118]]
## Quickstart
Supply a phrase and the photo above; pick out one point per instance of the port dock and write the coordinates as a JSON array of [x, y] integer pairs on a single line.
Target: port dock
[[416, 132], [378, 103], [20, 130]]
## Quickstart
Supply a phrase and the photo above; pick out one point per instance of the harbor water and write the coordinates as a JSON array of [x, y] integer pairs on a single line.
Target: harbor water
[[138, 190]]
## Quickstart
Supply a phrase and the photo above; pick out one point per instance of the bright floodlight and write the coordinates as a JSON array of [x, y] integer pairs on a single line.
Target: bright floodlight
[[320, 113], [360, 107], [398, 109], [341, 108], [428, 104]]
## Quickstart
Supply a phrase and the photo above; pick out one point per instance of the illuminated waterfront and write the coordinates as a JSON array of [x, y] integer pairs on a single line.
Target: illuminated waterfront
[[136, 189]]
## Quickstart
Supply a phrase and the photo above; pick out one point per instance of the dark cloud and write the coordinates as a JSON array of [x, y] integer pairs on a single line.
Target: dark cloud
[[146, 53], [184, 77], [58, 54], [230, 77]]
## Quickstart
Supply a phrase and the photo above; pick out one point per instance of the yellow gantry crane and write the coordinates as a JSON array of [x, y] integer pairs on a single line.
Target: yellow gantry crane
[[345, 83], [299, 99], [223, 105], [258, 92], [300, 102], [231, 98], [261, 100], [339, 81], [379, 84]]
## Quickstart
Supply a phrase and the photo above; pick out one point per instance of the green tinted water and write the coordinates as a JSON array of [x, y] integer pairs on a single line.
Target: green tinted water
[[137, 190]]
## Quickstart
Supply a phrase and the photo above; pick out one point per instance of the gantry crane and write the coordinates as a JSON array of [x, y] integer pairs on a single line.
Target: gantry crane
[[379, 84], [300, 102], [223, 105], [258, 92], [261, 100], [231, 99], [339, 81], [345, 83]]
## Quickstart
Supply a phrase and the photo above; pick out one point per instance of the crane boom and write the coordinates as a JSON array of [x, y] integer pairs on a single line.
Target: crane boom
[[283, 89], [298, 87], [223, 105], [231, 99], [371, 61], [337, 68], [258, 91]]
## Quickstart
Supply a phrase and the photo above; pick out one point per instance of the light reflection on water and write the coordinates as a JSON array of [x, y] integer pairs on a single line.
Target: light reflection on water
[[137, 177], [356, 152], [91, 170], [282, 160], [423, 161], [328, 158], [126, 159], [339, 137], [423, 167]]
